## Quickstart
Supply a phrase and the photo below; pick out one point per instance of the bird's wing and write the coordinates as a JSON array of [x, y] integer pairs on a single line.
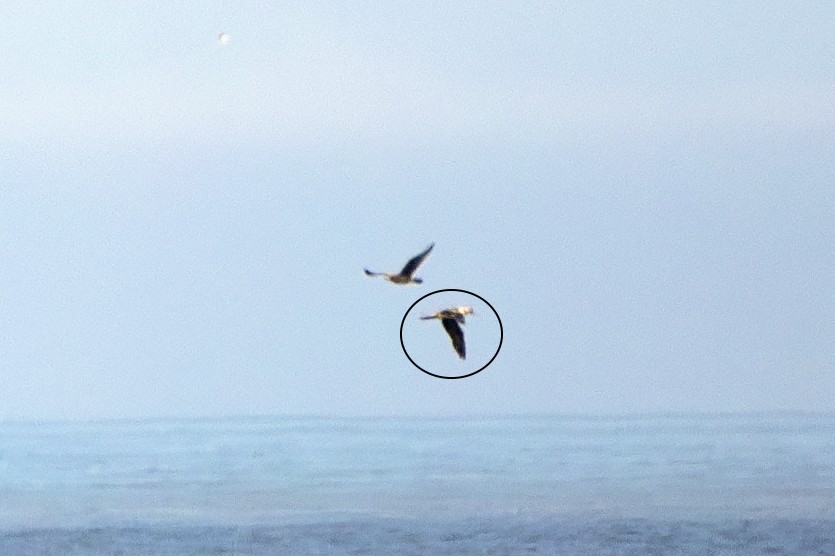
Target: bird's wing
[[456, 335], [438, 315], [415, 262]]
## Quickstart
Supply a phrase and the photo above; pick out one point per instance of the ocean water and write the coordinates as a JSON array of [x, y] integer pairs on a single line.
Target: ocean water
[[683, 484]]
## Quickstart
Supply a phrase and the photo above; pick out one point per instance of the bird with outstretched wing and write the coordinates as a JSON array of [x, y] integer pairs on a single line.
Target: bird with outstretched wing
[[405, 276], [450, 319]]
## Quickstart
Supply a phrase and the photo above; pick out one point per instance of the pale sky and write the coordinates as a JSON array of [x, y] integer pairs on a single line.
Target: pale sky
[[644, 191]]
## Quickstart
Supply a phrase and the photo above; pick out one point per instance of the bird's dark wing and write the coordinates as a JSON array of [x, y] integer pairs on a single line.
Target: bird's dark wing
[[456, 335], [415, 262]]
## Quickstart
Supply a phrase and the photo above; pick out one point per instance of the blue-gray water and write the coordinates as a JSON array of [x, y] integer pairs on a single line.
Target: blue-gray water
[[725, 484]]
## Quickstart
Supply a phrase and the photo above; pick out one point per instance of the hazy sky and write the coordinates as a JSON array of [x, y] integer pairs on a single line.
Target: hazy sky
[[644, 191]]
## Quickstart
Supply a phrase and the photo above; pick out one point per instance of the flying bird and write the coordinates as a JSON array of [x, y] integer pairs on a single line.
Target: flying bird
[[449, 319], [405, 275], [223, 39]]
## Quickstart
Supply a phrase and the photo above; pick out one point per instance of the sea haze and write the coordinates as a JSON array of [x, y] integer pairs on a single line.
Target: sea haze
[[258, 485]]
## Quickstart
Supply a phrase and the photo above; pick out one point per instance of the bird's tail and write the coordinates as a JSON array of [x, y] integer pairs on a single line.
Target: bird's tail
[[417, 280], [428, 318], [369, 273]]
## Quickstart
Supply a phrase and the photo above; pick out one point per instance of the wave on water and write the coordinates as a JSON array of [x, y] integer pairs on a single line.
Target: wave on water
[[736, 484], [516, 535]]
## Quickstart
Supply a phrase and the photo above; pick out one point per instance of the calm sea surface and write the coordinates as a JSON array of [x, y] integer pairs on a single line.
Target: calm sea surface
[[683, 484]]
